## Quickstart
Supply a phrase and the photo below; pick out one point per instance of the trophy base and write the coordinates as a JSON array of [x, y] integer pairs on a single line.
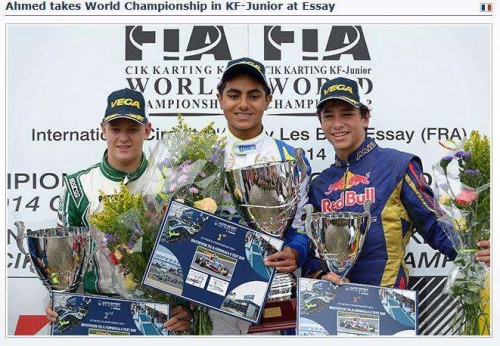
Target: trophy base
[[277, 315], [280, 309]]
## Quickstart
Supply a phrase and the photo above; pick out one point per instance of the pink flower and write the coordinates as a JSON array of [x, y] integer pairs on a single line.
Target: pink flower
[[193, 190], [466, 197], [182, 179]]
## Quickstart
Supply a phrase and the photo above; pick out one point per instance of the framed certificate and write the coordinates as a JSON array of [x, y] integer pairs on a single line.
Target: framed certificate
[[211, 261], [93, 315], [351, 309]]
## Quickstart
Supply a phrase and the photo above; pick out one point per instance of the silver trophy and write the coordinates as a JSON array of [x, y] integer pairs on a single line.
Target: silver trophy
[[338, 236], [266, 196], [58, 255]]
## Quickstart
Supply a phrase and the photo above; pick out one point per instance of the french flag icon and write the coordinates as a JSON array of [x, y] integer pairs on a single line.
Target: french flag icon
[[486, 7]]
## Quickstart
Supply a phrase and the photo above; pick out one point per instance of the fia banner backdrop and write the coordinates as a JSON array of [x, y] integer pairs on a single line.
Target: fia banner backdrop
[[425, 83], [351, 309], [212, 261], [91, 315]]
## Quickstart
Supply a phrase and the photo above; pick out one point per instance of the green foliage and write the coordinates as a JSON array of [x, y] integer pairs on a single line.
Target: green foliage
[[109, 220], [202, 323], [202, 145], [467, 288], [121, 215], [479, 147], [200, 142]]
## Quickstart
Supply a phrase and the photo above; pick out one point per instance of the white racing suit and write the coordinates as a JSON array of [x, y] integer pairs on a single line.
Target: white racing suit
[[243, 153]]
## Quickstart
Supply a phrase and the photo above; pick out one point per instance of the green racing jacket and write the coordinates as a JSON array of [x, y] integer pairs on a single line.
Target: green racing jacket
[[81, 196]]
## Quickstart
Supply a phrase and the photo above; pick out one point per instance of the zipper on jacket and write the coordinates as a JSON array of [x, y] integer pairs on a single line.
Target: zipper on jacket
[[345, 184]]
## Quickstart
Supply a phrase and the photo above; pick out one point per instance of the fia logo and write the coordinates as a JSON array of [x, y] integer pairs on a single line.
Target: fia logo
[[203, 40], [342, 40]]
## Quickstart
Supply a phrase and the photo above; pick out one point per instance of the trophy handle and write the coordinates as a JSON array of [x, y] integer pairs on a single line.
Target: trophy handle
[[366, 206], [21, 234], [309, 211], [299, 157]]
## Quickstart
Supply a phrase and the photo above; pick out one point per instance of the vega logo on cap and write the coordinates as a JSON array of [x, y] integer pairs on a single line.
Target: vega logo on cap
[[340, 87], [126, 102], [252, 64]]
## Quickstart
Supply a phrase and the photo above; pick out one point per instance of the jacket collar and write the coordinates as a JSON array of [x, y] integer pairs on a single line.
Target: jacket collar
[[245, 146], [117, 175], [367, 146]]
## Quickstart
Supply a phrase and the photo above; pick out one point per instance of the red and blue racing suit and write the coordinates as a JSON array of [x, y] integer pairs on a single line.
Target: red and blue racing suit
[[402, 202]]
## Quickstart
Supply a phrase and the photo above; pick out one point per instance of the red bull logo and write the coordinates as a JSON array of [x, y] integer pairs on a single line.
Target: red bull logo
[[348, 180], [347, 199]]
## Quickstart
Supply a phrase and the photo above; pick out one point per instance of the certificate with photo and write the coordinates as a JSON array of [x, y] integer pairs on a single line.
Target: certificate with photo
[[211, 261], [352, 309], [93, 315]]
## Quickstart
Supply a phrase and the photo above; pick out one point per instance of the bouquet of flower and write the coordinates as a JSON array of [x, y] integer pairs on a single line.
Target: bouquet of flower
[[125, 234], [187, 166], [462, 186]]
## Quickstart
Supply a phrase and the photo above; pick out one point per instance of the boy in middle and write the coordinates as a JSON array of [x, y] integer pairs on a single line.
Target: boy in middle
[[244, 94]]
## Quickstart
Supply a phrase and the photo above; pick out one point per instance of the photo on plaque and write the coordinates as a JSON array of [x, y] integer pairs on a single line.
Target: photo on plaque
[[218, 286], [211, 261], [196, 278], [400, 304], [92, 315], [181, 224], [164, 272], [257, 247], [245, 300], [352, 309], [360, 324]]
